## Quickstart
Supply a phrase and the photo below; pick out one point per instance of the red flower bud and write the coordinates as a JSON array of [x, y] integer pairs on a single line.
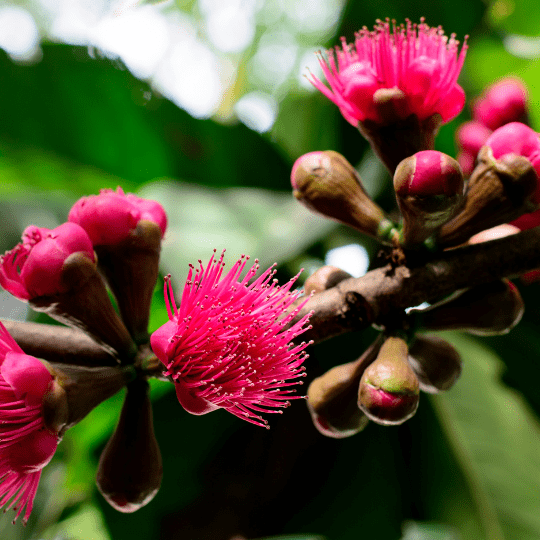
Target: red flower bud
[[109, 217], [516, 138], [471, 136], [429, 187], [389, 388], [34, 267], [501, 103]]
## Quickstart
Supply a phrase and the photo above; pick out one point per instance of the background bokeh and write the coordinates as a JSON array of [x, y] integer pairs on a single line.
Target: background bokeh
[[203, 105]]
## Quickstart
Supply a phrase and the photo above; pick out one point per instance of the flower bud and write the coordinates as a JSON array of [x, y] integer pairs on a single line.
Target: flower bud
[[485, 310], [109, 217], [130, 468], [471, 136], [332, 397], [498, 192], [126, 232], [34, 267], [501, 103], [77, 390], [327, 183], [324, 278], [436, 363], [55, 270], [86, 305], [429, 189], [389, 388], [467, 162]]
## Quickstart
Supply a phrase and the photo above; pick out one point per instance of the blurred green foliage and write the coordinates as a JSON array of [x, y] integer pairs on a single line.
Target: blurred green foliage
[[466, 466]]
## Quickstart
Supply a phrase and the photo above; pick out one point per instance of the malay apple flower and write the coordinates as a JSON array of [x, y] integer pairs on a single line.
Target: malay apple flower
[[418, 60], [228, 344], [26, 443]]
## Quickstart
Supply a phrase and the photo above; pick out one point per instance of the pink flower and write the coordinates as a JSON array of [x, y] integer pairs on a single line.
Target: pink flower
[[26, 445], [34, 267], [228, 345], [501, 103], [416, 59], [109, 217]]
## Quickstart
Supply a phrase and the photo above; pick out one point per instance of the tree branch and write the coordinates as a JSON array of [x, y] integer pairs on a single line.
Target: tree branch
[[353, 304]]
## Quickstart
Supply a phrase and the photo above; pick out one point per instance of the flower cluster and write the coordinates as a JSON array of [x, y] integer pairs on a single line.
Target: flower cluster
[[229, 344]]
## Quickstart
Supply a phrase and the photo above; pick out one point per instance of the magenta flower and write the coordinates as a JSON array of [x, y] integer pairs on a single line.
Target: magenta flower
[[501, 103], [26, 445], [109, 217], [228, 345], [34, 267], [416, 59]]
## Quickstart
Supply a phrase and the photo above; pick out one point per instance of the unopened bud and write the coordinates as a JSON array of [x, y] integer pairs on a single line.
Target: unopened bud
[[86, 305], [436, 363], [332, 398], [130, 468], [498, 192], [75, 391], [327, 183], [131, 269], [501, 103], [471, 136], [324, 278], [429, 188], [389, 388], [485, 310]]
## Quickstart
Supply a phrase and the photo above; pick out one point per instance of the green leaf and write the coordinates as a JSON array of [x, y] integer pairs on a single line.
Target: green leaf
[[496, 439], [270, 226]]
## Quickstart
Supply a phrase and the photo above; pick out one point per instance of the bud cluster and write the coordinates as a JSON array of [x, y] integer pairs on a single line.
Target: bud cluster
[[392, 94]]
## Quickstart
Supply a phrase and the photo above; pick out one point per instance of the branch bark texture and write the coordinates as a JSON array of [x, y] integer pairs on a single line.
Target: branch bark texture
[[353, 304]]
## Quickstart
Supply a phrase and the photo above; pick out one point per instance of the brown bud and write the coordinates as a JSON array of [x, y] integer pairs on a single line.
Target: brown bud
[[131, 270], [499, 191], [485, 310], [77, 390], [436, 363], [429, 189], [389, 388], [332, 398], [130, 468], [86, 305], [324, 278], [327, 183]]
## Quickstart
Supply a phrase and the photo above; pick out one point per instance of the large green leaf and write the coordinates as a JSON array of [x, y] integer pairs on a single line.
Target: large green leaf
[[497, 441]]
